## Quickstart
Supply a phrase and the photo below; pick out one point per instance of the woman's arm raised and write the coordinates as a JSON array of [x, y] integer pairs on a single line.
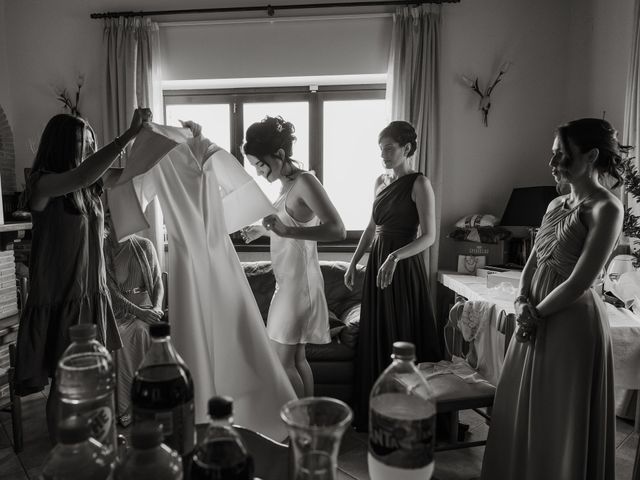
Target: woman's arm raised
[[90, 170]]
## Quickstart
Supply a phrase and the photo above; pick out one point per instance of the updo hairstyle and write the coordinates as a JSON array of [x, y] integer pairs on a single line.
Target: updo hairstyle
[[268, 136], [588, 133], [402, 133]]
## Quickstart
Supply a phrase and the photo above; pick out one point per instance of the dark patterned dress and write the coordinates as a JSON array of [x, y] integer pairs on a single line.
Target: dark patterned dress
[[553, 415], [67, 286], [403, 310]]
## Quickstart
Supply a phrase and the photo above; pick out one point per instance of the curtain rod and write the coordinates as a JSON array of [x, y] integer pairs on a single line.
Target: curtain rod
[[244, 21], [269, 9]]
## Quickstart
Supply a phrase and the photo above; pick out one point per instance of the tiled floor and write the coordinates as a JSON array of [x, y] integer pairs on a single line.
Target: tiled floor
[[452, 465]]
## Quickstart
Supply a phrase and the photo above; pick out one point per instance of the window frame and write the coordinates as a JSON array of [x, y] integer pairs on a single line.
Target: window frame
[[314, 95]]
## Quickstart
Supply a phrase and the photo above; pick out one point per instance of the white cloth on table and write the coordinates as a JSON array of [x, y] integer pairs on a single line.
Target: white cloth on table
[[478, 322], [216, 324], [625, 336]]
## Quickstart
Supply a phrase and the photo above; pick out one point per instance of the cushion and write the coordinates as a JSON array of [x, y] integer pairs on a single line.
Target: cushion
[[351, 319], [480, 234], [477, 220]]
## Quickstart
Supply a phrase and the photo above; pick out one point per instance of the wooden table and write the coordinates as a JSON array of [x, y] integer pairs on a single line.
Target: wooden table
[[624, 327]]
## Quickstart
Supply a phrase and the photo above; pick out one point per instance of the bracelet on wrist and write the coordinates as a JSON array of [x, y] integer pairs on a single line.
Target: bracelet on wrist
[[394, 257]]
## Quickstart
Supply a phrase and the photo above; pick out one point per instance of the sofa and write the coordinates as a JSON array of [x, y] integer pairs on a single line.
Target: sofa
[[333, 364]]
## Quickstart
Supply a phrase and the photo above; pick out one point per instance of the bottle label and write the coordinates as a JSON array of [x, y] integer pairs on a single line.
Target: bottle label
[[99, 412], [177, 425], [101, 421], [402, 443]]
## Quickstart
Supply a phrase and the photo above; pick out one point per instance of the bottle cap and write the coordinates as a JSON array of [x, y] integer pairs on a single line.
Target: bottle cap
[[404, 350], [220, 407], [147, 434], [159, 330], [82, 332], [73, 430]]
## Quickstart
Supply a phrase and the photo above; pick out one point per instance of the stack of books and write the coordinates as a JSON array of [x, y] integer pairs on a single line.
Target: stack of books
[[8, 335], [8, 286], [22, 248]]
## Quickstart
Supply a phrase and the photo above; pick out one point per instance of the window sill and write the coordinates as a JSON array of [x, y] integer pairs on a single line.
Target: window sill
[[341, 247], [337, 247]]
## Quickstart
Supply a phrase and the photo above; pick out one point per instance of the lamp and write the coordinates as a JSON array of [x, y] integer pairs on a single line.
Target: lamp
[[526, 207]]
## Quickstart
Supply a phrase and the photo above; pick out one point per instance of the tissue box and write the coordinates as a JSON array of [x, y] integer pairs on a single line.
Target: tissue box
[[511, 277]]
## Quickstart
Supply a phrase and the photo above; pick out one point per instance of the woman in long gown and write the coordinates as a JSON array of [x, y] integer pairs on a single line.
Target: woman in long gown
[[395, 294], [298, 313], [67, 274], [553, 415], [135, 284]]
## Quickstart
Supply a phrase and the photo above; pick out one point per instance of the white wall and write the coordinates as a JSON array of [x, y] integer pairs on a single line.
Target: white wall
[[483, 164], [601, 37], [5, 98], [569, 59]]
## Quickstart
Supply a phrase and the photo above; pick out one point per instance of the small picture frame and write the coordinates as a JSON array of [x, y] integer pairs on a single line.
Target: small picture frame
[[469, 264]]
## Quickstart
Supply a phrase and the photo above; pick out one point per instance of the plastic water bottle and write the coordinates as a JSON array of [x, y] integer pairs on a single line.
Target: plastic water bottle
[[221, 455], [162, 391], [401, 421], [77, 456], [85, 380], [149, 458]]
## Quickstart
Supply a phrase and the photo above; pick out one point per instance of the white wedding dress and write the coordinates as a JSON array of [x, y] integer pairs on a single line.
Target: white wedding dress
[[215, 321]]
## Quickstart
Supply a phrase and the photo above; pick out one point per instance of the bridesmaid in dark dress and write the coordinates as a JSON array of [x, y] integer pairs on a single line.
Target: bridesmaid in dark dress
[[553, 415], [395, 296], [67, 271]]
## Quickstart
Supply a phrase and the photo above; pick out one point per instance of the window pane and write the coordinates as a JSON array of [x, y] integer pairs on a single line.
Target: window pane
[[351, 157], [214, 119], [294, 112]]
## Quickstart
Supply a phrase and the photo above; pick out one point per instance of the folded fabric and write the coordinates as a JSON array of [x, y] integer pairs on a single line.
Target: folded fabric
[[475, 316], [480, 234], [457, 366]]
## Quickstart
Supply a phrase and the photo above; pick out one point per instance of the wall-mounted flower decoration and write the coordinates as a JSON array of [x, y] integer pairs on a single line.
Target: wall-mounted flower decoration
[[485, 97], [63, 96]]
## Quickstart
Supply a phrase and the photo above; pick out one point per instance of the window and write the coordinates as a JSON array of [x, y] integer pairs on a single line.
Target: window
[[336, 128]]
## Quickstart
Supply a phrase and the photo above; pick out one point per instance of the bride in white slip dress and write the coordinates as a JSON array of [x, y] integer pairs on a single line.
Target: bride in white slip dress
[[305, 215]]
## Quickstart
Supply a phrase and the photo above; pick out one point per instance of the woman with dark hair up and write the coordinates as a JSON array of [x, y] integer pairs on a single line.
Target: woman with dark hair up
[[395, 295], [298, 312], [66, 270], [553, 415]]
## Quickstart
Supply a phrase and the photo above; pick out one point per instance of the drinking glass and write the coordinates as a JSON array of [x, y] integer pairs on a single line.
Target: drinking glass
[[316, 426]]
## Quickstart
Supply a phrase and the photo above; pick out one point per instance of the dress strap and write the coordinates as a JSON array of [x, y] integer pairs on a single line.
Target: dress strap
[[564, 203]]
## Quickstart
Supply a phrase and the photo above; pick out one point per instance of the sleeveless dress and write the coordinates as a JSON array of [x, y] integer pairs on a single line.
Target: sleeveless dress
[[67, 286], [553, 416], [137, 285], [403, 310], [298, 312]]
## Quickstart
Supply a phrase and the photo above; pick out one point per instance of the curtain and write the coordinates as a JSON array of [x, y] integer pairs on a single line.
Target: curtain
[[412, 95], [631, 135], [132, 79]]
